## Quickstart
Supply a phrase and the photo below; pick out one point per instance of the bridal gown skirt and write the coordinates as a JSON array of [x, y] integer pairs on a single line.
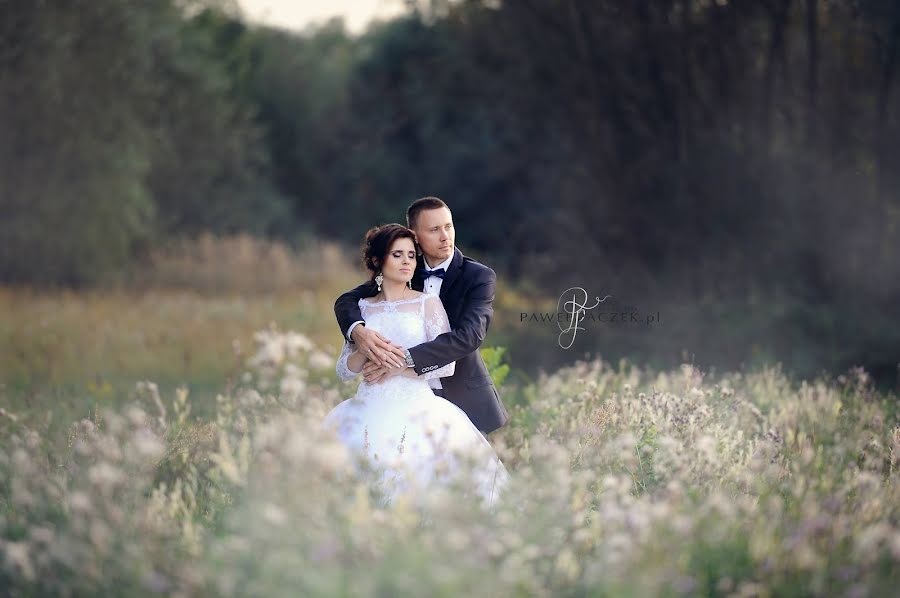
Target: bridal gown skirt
[[416, 440]]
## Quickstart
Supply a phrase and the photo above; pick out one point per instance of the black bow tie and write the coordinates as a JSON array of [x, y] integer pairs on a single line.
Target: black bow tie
[[440, 273]]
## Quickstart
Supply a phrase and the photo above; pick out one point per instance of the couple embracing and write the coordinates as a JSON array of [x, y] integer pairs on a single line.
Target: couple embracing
[[426, 400]]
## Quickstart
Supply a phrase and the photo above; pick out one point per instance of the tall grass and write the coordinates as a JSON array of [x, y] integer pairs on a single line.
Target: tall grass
[[239, 264], [188, 313]]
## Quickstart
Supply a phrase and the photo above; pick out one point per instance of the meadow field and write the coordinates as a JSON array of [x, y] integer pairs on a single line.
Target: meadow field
[[184, 192], [162, 439]]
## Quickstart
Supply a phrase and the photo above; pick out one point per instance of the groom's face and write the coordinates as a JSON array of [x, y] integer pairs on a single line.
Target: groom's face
[[436, 235]]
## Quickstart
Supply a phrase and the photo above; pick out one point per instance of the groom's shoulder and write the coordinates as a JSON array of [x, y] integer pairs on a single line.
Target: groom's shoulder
[[478, 270]]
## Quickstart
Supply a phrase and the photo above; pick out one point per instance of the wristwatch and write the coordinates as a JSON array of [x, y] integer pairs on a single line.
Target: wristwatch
[[409, 360]]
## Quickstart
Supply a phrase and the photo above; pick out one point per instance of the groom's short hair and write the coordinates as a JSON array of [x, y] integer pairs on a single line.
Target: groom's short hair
[[423, 203]]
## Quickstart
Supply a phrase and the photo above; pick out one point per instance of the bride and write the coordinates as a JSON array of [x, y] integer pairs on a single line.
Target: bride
[[413, 438]]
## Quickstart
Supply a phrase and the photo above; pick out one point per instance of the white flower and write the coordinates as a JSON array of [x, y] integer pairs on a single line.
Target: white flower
[[250, 398], [627, 441], [707, 445], [17, 554], [319, 360], [295, 342], [274, 514], [80, 502], [457, 539], [42, 534], [271, 353], [147, 444], [292, 386], [295, 447], [104, 474]]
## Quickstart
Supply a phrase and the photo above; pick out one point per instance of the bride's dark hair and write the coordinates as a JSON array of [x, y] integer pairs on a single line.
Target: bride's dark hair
[[378, 242]]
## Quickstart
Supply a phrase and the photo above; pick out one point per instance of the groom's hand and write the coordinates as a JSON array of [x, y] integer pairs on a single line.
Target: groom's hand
[[378, 349]]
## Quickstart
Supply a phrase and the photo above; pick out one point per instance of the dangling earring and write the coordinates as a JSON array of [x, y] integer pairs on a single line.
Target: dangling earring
[[409, 283], [378, 280]]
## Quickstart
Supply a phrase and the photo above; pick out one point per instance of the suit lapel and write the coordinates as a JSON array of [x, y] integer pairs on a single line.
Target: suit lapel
[[452, 272]]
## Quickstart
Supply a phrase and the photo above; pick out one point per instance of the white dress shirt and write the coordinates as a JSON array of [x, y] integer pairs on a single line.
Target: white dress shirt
[[433, 287], [433, 283]]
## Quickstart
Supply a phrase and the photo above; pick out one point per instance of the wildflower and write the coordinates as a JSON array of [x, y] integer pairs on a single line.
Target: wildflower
[[147, 444], [274, 514], [136, 415], [100, 535], [105, 475], [319, 360], [17, 555], [457, 540], [80, 502], [627, 441], [296, 342], [292, 386], [707, 445], [250, 398], [567, 564]]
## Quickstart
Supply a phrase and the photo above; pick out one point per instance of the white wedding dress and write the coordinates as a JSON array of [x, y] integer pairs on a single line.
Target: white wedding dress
[[413, 438]]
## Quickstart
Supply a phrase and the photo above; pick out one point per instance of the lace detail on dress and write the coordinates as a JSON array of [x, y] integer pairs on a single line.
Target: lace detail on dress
[[434, 327], [344, 372], [436, 324], [386, 306]]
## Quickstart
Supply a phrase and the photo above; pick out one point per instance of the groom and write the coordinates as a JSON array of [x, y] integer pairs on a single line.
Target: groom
[[466, 289]]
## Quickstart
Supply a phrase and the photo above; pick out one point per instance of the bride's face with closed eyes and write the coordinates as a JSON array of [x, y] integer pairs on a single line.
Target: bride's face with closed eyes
[[400, 261]]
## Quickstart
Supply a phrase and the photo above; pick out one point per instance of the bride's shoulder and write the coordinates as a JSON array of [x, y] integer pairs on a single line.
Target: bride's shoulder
[[429, 300], [425, 297]]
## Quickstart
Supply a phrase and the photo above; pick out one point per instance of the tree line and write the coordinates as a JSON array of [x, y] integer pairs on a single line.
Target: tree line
[[735, 161]]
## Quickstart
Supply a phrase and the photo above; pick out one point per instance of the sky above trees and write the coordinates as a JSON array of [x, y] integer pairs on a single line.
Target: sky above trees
[[291, 14]]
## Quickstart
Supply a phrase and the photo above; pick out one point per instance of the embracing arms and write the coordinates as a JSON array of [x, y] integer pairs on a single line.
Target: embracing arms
[[435, 322]]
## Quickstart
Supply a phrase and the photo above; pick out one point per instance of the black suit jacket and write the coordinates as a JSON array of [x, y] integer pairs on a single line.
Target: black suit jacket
[[468, 295]]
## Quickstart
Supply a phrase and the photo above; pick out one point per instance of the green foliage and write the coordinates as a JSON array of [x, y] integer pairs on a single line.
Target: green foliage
[[120, 127], [493, 360]]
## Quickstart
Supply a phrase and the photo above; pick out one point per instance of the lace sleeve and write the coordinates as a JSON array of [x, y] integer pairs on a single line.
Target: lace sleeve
[[436, 324], [344, 372]]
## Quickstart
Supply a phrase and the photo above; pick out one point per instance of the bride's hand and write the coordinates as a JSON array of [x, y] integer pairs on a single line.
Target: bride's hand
[[375, 373], [378, 349]]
